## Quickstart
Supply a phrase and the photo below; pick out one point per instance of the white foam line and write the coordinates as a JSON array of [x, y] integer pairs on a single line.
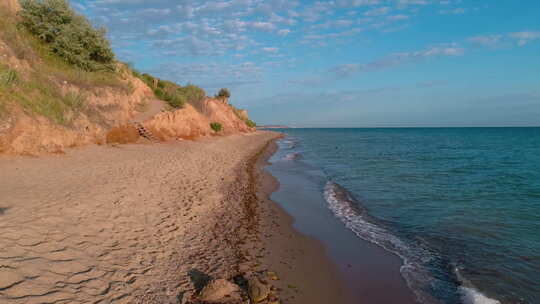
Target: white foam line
[[471, 295]]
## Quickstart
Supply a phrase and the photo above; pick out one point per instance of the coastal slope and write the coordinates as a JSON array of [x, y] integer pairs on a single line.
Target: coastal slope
[[48, 104]]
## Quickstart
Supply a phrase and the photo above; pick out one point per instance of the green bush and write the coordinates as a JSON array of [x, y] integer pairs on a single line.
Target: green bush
[[68, 34], [193, 93], [250, 123], [148, 79], [159, 93], [223, 93], [175, 95], [216, 126], [177, 101]]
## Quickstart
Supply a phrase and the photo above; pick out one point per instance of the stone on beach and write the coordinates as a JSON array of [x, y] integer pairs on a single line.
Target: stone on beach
[[257, 291], [220, 291], [272, 275]]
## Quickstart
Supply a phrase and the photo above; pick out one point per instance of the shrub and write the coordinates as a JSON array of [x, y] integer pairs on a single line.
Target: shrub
[[193, 93], [250, 123], [223, 93], [175, 95], [159, 93], [216, 126], [161, 84], [68, 34], [177, 101], [148, 79]]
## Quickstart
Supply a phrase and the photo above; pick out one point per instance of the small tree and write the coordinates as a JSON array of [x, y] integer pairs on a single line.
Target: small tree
[[68, 34], [223, 94]]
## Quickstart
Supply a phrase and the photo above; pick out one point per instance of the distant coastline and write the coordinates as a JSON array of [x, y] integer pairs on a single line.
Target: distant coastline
[[272, 127]]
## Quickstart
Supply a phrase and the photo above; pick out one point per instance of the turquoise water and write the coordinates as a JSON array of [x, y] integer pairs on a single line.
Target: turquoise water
[[460, 206]]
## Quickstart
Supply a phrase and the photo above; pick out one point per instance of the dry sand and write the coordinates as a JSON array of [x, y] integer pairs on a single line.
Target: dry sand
[[145, 223]]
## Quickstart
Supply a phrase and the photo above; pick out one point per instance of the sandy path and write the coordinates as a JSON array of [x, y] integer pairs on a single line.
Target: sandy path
[[122, 225]]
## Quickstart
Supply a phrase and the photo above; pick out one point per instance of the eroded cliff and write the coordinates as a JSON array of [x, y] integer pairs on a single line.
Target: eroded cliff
[[47, 105]]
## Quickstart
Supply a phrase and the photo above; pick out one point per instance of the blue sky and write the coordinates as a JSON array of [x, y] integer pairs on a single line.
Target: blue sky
[[342, 63]]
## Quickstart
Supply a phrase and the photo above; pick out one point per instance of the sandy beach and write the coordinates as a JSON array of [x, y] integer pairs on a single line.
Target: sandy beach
[[146, 223]]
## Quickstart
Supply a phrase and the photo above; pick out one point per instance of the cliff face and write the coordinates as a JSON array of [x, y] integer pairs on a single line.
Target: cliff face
[[191, 123], [22, 132], [46, 106]]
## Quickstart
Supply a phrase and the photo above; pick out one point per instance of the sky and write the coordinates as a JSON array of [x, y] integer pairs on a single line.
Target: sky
[[342, 63]]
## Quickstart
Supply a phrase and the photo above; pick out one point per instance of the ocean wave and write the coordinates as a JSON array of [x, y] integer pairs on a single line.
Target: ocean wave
[[289, 143], [470, 294], [415, 259], [292, 156], [355, 217]]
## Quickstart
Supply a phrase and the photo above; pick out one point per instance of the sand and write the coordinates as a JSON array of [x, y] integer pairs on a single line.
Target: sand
[[126, 224]]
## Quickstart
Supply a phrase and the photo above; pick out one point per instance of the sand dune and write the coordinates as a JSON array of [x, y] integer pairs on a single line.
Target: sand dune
[[126, 224]]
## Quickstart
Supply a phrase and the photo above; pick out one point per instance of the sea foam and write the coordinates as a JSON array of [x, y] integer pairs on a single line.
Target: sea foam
[[469, 294], [292, 156], [356, 218]]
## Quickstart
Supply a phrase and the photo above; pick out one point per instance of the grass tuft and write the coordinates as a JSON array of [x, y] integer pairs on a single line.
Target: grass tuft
[[8, 78], [250, 123]]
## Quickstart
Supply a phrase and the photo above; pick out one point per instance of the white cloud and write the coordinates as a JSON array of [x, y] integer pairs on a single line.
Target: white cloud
[[270, 49], [345, 70], [524, 37], [455, 11], [520, 38], [490, 40], [398, 17], [263, 26], [284, 32], [378, 11]]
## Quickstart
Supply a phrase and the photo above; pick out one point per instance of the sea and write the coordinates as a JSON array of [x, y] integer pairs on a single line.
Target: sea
[[459, 206]]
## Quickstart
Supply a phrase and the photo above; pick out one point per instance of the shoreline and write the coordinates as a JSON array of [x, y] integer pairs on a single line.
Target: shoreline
[[291, 254], [142, 223], [333, 264]]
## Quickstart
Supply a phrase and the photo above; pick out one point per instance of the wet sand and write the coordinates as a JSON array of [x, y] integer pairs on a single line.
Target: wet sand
[[306, 273]]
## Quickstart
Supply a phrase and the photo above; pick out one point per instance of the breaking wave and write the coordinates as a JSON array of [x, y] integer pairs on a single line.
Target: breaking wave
[[416, 261], [289, 143], [468, 292], [292, 156]]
